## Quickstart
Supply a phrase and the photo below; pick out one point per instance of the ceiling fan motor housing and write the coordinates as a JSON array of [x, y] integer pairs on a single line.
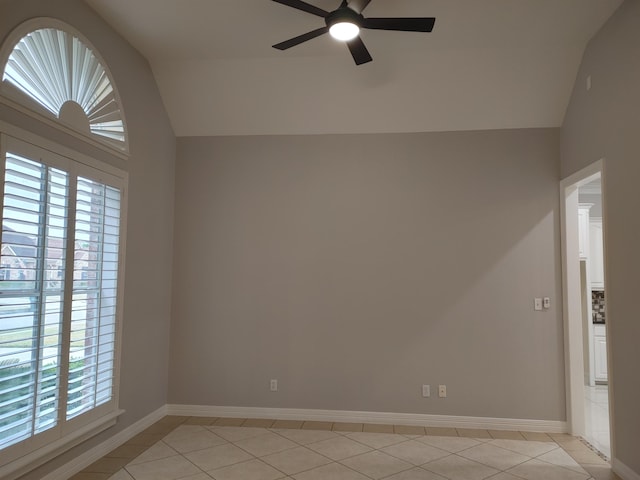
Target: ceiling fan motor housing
[[344, 14]]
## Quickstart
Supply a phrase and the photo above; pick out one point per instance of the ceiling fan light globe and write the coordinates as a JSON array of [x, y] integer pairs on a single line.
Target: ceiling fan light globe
[[344, 31]]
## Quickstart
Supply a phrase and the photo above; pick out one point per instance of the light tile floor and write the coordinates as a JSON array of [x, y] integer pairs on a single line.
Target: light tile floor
[[196, 448], [597, 418]]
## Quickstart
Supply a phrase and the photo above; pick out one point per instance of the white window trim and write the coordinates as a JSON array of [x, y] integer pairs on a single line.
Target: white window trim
[[30, 461], [60, 126], [24, 458], [42, 142], [16, 100]]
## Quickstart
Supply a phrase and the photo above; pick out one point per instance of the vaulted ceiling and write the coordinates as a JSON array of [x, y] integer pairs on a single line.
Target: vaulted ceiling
[[488, 64]]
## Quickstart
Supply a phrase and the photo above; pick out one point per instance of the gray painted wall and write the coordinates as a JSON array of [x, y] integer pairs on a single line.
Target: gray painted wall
[[149, 234], [355, 268], [605, 123]]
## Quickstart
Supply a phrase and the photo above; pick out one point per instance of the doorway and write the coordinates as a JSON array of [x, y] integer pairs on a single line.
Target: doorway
[[585, 315]]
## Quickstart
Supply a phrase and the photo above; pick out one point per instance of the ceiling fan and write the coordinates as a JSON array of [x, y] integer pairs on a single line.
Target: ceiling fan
[[345, 23]]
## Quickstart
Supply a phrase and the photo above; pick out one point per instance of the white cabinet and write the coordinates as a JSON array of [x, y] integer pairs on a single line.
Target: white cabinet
[[583, 229], [600, 353], [596, 254], [591, 251]]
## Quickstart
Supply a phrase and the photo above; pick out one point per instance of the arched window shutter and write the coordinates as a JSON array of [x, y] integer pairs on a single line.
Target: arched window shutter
[[48, 64]]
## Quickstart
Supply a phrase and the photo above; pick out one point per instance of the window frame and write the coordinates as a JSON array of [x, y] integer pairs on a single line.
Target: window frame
[[18, 459]]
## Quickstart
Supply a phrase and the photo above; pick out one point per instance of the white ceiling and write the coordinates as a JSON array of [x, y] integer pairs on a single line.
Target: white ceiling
[[488, 64]]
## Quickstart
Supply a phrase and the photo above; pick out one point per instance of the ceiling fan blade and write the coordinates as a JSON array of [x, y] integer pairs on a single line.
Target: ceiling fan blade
[[424, 24], [358, 6], [304, 6], [358, 51], [301, 38]]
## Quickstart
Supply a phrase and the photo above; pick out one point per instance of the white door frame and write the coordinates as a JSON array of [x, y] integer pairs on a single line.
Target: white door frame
[[572, 310]]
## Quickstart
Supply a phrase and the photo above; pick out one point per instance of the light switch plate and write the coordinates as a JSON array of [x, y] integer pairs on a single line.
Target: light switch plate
[[537, 303]]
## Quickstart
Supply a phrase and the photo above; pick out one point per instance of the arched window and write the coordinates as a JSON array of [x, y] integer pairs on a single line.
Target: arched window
[[51, 69], [61, 247]]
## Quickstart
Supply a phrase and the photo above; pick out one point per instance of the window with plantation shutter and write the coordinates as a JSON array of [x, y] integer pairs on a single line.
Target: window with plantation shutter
[[59, 295], [93, 317], [34, 233], [62, 216]]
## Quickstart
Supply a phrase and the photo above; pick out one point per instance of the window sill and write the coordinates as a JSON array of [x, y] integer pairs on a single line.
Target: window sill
[[32, 460]]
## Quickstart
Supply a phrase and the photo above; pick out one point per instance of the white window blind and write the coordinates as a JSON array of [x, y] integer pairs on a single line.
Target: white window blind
[[58, 296]]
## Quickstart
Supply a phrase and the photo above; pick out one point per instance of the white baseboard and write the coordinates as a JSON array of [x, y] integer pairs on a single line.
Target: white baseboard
[[96, 453], [548, 426], [623, 471]]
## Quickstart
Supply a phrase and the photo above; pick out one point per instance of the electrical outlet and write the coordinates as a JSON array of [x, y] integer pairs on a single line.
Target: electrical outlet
[[274, 385], [426, 390], [442, 391], [546, 302]]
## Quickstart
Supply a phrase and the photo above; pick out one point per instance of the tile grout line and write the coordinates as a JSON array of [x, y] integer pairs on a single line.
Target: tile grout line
[[256, 457], [410, 465]]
